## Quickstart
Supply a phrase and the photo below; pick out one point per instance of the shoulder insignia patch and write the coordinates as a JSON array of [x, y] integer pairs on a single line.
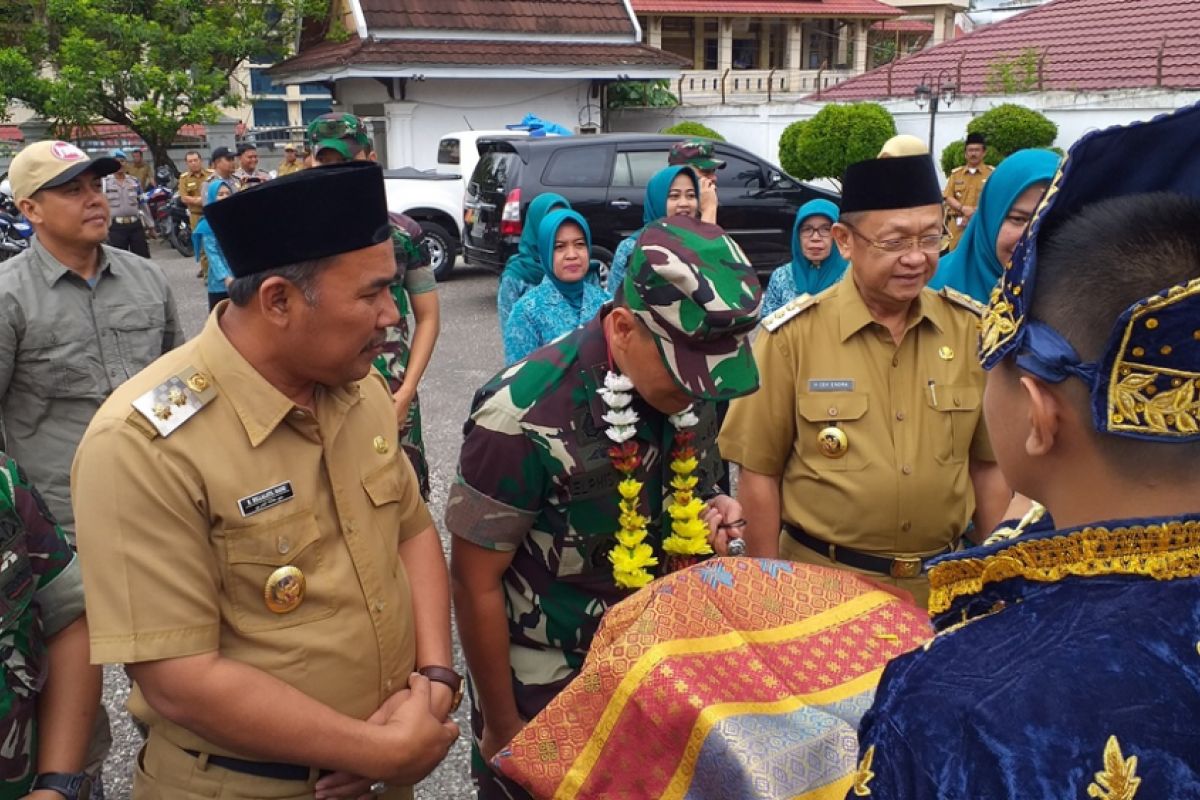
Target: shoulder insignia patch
[[965, 300], [773, 321], [176, 400]]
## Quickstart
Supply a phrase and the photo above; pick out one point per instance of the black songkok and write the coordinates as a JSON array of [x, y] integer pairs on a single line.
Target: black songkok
[[311, 214], [887, 183]]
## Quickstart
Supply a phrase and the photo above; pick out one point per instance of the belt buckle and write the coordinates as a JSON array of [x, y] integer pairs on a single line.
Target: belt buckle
[[905, 567]]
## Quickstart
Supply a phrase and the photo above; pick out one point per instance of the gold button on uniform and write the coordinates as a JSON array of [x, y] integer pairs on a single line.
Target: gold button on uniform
[[197, 383], [946, 353], [381, 445]]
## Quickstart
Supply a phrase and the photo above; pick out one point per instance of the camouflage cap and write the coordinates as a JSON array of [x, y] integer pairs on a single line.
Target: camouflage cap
[[342, 132], [694, 288], [696, 153]]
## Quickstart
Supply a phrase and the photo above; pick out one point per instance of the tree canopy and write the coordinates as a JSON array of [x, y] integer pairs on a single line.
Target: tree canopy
[[690, 128], [839, 135], [1007, 128], [151, 65]]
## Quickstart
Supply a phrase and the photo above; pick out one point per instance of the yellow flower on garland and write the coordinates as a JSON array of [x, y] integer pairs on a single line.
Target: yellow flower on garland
[[689, 533], [630, 488], [684, 467]]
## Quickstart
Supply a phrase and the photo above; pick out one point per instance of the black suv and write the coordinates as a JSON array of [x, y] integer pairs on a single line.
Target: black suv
[[604, 177]]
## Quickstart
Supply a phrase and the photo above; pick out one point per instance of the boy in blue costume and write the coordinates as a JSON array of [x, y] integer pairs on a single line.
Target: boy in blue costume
[[1066, 663]]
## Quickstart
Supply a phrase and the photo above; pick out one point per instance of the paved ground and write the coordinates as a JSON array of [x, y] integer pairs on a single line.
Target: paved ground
[[468, 353]]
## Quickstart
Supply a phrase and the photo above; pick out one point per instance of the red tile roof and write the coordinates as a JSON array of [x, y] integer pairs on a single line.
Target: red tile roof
[[1088, 45], [507, 16], [406, 54], [778, 8]]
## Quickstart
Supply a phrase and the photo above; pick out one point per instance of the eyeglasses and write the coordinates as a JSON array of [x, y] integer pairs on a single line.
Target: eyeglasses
[[821, 232], [931, 243]]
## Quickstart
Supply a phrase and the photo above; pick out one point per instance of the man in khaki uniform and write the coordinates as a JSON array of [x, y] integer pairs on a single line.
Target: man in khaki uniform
[[865, 442], [191, 193], [139, 168], [290, 163], [254, 546], [964, 185]]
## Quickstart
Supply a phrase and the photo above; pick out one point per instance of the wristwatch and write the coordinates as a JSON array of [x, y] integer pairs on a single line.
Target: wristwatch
[[71, 785], [450, 678]]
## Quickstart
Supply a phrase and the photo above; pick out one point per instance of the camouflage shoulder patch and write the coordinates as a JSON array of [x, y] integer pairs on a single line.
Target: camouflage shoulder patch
[[966, 301], [174, 401], [773, 321]]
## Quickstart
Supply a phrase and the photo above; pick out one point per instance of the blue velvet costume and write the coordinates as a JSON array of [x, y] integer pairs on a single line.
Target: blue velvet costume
[[1067, 662]]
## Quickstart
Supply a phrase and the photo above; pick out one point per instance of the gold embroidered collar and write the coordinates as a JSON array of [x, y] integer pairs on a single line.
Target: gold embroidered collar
[[1162, 551]]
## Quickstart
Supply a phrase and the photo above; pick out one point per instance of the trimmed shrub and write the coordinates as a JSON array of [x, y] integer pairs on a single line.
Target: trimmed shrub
[[839, 135], [689, 128], [787, 146]]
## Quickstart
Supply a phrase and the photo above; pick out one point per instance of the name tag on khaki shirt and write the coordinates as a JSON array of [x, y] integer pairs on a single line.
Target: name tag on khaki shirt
[[842, 385], [267, 498]]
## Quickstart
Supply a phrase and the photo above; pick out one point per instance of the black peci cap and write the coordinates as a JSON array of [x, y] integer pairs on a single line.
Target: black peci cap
[[887, 183], [311, 214]]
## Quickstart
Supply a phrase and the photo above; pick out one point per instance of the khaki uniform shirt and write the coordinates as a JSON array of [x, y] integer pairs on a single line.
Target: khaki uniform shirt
[[911, 414], [964, 185], [285, 168], [179, 535], [141, 172], [192, 185], [65, 346], [247, 179]]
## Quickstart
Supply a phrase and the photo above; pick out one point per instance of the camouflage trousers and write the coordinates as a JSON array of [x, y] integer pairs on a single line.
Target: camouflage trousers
[[393, 365]]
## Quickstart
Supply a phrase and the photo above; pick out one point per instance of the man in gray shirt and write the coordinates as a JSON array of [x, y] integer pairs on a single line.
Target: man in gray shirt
[[77, 317]]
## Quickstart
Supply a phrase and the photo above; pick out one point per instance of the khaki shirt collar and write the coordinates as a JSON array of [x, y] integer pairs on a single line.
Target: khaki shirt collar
[[853, 314], [259, 405], [54, 270]]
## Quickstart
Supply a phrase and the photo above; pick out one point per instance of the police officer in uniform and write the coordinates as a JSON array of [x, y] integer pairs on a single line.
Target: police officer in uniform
[[866, 442], [964, 186], [254, 546], [124, 194]]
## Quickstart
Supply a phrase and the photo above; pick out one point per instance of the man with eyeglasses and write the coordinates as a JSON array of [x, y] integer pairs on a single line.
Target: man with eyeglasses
[[866, 443]]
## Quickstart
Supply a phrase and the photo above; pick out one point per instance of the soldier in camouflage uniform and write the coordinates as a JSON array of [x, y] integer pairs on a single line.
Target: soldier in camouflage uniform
[[43, 644], [338, 137], [534, 509]]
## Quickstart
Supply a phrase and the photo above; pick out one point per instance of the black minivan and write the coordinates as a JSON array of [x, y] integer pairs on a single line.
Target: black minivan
[[604, 177]]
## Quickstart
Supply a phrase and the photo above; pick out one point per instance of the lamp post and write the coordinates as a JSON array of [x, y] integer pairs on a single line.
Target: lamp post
[[941, 90]]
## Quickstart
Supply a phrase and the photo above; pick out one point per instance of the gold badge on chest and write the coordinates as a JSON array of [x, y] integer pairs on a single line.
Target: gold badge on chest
[[284, 591], [833, 442]]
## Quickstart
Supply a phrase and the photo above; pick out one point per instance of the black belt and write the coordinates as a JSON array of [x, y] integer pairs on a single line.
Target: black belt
[[261, 769], [897, 567]]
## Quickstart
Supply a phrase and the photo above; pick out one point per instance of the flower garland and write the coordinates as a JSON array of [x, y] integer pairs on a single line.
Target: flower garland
[[632, 557]]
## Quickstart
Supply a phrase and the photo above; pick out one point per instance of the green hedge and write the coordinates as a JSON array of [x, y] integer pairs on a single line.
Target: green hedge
[[839, 135], [1007, 128], [689, 128]]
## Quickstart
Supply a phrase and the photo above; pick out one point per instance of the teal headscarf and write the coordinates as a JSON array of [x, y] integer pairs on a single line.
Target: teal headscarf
[[811, 278], [526, 263], [655, 204], [546, 232], [202, 229], [973, 268]]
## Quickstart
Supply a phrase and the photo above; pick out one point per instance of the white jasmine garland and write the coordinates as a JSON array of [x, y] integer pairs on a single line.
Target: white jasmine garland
[[616, 382], [684, 419], [615, 399], [620, 433], [621, 417]]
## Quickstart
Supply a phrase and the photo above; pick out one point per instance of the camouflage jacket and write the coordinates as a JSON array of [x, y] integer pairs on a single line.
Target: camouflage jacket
[[41, 593], [535, 477]]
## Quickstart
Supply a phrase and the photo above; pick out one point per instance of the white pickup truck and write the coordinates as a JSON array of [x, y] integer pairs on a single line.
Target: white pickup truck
[[434, 199]]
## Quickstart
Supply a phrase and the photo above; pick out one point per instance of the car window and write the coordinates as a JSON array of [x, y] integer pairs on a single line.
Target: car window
[[577, 166], [492, 172], [636, 167], [448, 151], [739, 172]]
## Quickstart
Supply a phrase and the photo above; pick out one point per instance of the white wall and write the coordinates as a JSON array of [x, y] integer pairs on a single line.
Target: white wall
[[757, 128], [442, 105]]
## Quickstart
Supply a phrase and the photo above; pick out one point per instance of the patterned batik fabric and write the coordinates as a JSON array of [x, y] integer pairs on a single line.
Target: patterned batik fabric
[[392, 363], [535, 477], [736, 678], [620, 263], [1064, 666], [34, 551], [543, 314]]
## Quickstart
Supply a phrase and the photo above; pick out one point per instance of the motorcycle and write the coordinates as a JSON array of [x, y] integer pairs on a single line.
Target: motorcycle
[[169, 214], [16, 234]]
